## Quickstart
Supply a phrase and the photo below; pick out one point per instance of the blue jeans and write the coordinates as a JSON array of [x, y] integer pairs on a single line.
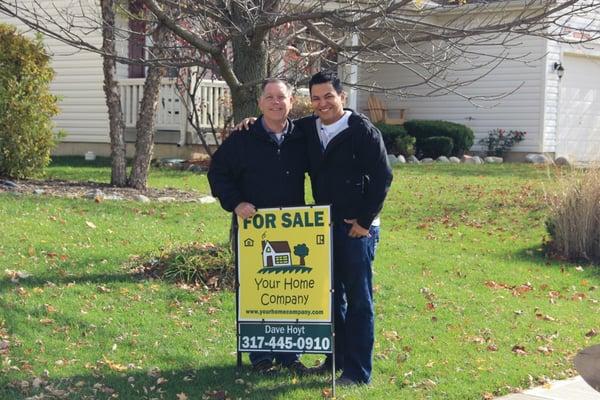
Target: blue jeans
[[353, 302], [284, 359]]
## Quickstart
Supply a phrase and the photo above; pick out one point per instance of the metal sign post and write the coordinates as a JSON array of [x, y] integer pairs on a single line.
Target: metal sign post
[[284, 282]]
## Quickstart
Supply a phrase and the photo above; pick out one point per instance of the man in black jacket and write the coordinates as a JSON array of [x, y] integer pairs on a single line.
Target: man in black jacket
[[349, 170], [261, 169]]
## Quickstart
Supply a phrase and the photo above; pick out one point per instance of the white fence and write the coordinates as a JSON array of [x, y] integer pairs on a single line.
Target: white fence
[[213, 98]]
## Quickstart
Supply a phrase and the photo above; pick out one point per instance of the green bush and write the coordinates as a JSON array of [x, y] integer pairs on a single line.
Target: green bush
[[26, 105], [396, 140], [462, 136], [436, 146]]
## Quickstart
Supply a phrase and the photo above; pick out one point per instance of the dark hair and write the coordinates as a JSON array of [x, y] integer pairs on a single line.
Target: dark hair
[[326, 77], [285, 83]]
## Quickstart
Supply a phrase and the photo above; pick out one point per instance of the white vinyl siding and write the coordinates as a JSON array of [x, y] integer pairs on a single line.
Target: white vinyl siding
[[520, 110], [78, 76]]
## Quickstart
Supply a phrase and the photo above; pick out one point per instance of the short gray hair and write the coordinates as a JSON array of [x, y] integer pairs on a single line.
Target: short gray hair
[[288, 87]]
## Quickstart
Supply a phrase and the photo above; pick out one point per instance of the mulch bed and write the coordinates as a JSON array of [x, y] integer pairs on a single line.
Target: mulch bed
[[77, 189]]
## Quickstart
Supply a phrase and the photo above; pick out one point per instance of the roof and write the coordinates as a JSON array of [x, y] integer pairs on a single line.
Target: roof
[[279, 247]]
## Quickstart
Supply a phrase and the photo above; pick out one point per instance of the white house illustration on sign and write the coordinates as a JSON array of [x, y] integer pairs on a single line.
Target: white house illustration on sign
[[276, 254]]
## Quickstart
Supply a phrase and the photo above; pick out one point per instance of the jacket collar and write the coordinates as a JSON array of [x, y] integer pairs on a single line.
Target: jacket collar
[[259, 130]]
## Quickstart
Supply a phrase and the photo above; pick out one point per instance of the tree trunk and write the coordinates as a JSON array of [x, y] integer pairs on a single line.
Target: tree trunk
[[250, 66], [113, 99], [146, 124]]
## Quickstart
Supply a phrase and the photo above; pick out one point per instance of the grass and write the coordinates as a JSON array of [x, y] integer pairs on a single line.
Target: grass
[[460, 280]]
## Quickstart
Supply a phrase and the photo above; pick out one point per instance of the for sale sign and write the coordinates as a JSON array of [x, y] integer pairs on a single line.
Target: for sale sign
[[285, 276]]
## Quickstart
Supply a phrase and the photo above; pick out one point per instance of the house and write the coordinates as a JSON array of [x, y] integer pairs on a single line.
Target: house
[[276, 254], [79, 84], [550, 90]]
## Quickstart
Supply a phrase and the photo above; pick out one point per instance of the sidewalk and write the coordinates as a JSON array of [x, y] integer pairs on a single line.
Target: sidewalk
[[568, 389]]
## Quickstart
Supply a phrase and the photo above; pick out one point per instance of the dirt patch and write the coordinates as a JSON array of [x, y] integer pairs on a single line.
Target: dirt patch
[[95, 190]]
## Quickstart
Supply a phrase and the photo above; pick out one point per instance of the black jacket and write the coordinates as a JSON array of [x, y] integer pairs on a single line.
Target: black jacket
[[353, 173], [250, 166]]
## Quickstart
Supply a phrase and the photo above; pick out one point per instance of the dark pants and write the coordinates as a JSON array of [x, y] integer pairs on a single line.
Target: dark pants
[[284, 359], [353, 302]]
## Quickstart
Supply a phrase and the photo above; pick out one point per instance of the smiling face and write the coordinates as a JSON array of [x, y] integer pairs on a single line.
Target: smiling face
[[327, 102], [275, 102]]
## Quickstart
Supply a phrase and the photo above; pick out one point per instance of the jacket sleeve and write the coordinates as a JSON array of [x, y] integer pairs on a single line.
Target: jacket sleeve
[[225, 172], [373, 159]]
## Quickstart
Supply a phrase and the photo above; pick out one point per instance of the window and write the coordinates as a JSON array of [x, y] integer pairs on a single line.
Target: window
[[282, 259]]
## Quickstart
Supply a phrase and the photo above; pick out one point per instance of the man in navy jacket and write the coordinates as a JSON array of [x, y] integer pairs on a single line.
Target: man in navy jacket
[[260, 169], [349, 170]]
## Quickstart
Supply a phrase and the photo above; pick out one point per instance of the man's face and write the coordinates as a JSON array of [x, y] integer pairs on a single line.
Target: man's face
[[276, 102], [327, 103]]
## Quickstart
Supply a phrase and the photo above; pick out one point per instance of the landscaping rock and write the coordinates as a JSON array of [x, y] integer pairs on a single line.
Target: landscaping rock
[[477, 160], [536, 158], [392, 159], [141, 198], [427, 160], [165, 199], [413, 160], [454, 160], [443, 160], [39, 191], [207, 200], [8, 184], [401, 159], [493, 160], [562, 161], [95, 194], [198, 168], [114, 197]]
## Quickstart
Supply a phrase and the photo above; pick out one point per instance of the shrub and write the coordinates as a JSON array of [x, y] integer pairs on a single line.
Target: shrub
[[396, 140], [195, 263], [26, 105], [574, 223], [498, 141], [462, 136], [436, 146]]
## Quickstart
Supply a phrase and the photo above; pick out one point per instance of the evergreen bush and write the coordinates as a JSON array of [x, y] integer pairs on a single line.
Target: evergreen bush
[[462, 136], [396, 140], [26, 105], [436, 146]]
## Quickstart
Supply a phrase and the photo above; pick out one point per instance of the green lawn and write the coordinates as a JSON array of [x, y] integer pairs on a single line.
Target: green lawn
[[460, 281]]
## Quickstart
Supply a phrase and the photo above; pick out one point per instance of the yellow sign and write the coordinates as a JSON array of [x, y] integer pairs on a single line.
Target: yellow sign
[[284, 265]]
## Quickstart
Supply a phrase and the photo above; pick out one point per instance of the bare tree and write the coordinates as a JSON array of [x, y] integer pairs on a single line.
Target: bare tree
[[113, 99], [146, 125]]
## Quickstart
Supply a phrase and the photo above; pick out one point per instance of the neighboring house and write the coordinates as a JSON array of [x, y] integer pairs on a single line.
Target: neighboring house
[[276, 254], [560, 115]]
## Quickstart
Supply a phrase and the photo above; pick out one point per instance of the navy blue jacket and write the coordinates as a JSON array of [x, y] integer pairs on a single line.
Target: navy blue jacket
[[250, 166], [353, 173]]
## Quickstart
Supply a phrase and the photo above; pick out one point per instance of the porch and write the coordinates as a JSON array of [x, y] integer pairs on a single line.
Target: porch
[[172, 126]]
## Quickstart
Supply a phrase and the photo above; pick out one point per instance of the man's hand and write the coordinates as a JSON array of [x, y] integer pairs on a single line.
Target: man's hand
[[245, 124], [245, 210], [356, 231]]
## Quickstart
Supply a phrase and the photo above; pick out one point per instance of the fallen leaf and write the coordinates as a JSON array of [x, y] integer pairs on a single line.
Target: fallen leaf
[[492, 347], [591, 333], [519, 350], [90, 224], [182, 396]]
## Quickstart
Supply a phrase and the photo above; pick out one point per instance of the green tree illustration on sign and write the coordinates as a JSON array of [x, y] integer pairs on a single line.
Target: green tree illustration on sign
[[301, 250]]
